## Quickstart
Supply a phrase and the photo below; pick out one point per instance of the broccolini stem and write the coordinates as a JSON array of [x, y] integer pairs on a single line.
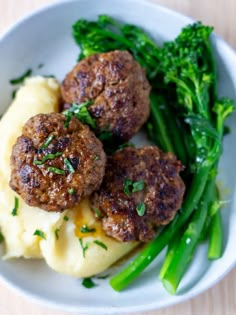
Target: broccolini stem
[[215, 237], [187, 244], [172, 247], [160, 124], [127, 275]]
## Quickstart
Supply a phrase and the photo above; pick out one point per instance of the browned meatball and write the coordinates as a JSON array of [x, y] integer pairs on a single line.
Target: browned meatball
[[118, 87], [141, 190], [54, 165]]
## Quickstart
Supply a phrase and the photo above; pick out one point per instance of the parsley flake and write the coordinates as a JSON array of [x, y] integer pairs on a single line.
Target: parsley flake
[[40, 234], [127, 185], [1, 238], [84, 247], [69, 166], [56, 170], [49, 156], [141, 209], [137, 186], [16, 206], [96, 158], [21, 78], [88, 283], [130, 186], [47, 142], [101, 244], [80, 111], [71, 191], [86, 229], [57, 233], [97, 213], [66, 218]]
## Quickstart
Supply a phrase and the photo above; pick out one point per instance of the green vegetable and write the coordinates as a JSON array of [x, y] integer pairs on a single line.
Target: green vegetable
[[98, 213], [47, 142], [50, 156], [106, 35], [140, 208], [96, 158], [57, 233], [127, 186], [16, 206], [184, 251], [66, 218], [56, 170], [86, 229], [130, 186], [101, 244], [84, 247], [137, 186], [71, 191], [40, 234], [1, 238], [13, 95], [88, 283], [80, 111], [21, 78], [215, 248], [69, 166]]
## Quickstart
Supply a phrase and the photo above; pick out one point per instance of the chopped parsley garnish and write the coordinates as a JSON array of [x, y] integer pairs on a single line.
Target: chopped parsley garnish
[[140, 208], [49, 156], [16, 206], [49, 76], [130, 186], [57, 233], [86, 229], [21, 78], [103, 277], [84, 247], [71, 191], [127, 186], [47, 142], [85, 117], [69, 166], [66, 218], [40, 234], [13, 94], [138, 186], [68, 118], [96, 158], [1, 238], [56, 170], [88, 283], [101, 244], [105, 134], [98, 213], [80, 111], [125, 145]]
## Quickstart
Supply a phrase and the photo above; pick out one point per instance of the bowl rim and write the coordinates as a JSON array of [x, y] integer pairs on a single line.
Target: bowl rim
[[109, 309]]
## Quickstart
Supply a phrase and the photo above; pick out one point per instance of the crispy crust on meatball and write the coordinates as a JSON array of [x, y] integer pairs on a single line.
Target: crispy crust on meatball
[[73, 150], [162, 193], [118, 87]]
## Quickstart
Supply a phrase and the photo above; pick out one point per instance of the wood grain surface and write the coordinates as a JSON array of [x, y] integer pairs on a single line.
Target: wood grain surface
[[219, 300]]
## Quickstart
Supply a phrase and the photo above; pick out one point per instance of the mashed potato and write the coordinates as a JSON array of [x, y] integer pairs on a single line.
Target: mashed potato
[[64, 248]]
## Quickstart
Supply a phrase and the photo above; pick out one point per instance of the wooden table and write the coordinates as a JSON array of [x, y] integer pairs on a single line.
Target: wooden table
[[219, 300]]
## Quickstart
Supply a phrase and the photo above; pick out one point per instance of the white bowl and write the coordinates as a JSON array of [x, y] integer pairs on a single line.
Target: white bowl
[[45, 37]]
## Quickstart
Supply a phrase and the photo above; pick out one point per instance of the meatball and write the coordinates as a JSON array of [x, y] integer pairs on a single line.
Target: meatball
[[118, 88], [141, 190], [55, 163]]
